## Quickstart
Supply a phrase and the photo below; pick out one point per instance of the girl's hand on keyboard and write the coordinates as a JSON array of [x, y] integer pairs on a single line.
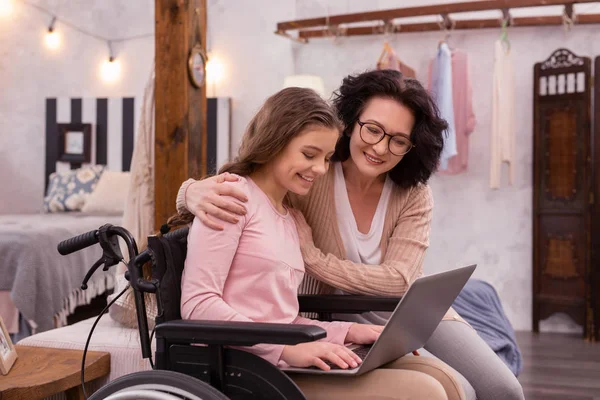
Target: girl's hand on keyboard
[[363, 333], [317, 353]]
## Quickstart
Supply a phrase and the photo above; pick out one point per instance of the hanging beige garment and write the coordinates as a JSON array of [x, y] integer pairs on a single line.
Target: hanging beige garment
[[138, 216], [503, 116], [389, 60]]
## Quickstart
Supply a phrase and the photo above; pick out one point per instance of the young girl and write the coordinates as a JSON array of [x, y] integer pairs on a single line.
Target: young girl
[[251, 270]]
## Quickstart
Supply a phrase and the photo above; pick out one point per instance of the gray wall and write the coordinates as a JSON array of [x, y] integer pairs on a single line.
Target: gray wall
[[471, 222], [29, 73]]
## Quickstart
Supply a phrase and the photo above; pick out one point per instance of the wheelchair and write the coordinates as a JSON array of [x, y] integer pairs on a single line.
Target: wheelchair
[[193, 359]]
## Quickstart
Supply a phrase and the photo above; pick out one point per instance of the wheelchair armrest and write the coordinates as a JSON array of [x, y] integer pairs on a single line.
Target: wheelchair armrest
[[351, 304], [236, 333]]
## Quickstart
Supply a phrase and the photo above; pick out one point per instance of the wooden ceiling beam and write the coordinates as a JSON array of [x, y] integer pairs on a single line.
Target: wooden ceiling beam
[[582, 19], [438, 9]]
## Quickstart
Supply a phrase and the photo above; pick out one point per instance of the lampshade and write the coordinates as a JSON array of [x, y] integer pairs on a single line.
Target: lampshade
[[306, 81]]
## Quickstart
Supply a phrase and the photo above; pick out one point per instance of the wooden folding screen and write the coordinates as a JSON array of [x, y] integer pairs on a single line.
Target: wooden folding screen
[[594, 304], [562, 189]]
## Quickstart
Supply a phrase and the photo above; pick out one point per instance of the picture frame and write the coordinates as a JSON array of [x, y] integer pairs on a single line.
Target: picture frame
[[8, 352], [75, 143]]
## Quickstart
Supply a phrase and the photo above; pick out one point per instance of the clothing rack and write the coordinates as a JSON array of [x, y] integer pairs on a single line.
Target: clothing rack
[[382, 20]]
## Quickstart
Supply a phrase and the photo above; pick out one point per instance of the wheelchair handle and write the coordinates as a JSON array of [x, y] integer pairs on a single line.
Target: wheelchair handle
[[111, 256], [78, 242]]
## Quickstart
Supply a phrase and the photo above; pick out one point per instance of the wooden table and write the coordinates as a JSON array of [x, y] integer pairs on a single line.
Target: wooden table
[[41, 371]]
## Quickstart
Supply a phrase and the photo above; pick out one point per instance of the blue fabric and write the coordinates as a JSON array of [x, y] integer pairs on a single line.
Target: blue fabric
[[441, 90], [478, 303]]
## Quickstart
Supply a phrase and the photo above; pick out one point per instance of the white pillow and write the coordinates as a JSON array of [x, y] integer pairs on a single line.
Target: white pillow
[[110, 194]]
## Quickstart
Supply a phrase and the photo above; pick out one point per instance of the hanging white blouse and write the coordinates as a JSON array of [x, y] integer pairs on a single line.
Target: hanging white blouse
[[503, 116]]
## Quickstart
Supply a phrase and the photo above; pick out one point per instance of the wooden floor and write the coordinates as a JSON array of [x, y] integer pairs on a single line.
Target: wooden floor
[[559, 367]]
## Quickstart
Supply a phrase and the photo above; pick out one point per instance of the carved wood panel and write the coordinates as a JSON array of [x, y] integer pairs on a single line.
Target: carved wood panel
[[561, 257], [561, 154], [562, 186], [563, 159]]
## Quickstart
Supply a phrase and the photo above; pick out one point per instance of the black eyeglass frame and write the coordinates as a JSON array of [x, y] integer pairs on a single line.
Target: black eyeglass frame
[[361, 124]]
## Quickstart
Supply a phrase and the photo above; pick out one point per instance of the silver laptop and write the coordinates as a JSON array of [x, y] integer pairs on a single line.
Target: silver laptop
[[411, 324]]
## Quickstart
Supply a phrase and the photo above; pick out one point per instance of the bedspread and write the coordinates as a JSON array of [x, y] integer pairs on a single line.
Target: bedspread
[[479, 304], [46, 286]]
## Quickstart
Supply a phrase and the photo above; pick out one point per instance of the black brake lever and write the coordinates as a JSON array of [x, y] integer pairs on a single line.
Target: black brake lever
[[111, 253], [110, 246], [90, 272]]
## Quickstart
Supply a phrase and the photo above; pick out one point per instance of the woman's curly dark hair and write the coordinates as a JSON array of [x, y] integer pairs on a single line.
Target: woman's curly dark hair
[[427, 135]]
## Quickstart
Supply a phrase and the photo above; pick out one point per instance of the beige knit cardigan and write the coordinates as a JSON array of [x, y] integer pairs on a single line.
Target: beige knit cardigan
[[404, 240]]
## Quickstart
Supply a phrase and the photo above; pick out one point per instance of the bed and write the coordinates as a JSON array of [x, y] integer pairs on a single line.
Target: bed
[[36, 282], [39, 288]]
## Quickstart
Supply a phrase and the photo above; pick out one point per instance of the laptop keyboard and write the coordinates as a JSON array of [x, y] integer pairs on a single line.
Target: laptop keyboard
[[360, 351]]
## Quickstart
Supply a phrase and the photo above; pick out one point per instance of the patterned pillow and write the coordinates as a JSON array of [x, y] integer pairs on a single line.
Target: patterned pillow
[[68, 190]]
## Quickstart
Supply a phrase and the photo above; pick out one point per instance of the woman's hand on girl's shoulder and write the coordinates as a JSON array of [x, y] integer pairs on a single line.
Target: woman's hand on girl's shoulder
[[306, 355], [207, 200]]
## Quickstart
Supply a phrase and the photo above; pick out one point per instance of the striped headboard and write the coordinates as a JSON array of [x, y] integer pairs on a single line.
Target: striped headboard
[[114, 124]]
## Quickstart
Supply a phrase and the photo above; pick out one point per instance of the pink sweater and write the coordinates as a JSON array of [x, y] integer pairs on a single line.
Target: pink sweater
[[250, 271]]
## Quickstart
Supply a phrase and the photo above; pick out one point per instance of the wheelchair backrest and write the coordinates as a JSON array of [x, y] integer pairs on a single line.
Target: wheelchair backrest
[[169, 252]]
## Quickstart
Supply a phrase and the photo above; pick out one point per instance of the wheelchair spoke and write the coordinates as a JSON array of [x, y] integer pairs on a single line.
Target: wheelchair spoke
[[157, 385], [146, 394]]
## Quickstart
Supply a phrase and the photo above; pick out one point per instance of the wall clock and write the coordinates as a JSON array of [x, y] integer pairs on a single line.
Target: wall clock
[[197, 66]]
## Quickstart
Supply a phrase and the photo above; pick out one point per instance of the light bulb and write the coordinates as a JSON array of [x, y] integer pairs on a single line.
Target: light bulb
[[52, 40], [214, 70], [6, 7], [111, 70]]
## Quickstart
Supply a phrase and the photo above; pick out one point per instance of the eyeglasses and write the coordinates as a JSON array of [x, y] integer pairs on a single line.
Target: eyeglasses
[[372, 134]]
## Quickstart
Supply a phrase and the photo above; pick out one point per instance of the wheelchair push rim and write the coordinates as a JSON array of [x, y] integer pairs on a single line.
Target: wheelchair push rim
[[157, 385]]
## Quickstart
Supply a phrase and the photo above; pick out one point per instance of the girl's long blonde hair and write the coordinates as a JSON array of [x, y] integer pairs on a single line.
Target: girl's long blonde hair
[[281, 118]]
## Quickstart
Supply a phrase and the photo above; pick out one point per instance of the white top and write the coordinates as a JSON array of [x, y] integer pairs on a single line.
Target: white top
[[502, 143], [363, 248]]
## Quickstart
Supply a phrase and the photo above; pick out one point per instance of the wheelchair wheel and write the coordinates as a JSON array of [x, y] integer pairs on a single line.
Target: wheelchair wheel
[[157, 385]]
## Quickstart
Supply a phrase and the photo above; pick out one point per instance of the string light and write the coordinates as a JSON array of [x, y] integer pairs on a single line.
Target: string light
[[52, 37], [214, 70], [6, 8], [110, 70]]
